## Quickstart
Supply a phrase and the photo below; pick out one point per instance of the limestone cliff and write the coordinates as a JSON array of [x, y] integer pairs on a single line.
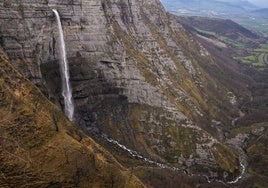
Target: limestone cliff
[[137, 76], [39, 147]]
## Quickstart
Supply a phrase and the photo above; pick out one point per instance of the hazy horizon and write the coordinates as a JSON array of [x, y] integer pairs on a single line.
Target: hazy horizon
[[260, 3]]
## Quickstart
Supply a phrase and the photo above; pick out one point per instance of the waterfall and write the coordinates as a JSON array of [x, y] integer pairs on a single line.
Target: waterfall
[[64, 70]]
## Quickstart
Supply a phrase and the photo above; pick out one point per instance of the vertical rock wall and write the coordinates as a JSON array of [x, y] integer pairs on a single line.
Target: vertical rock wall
[[135, 72]]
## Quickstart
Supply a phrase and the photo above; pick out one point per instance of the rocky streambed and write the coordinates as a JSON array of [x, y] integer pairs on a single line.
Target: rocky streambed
[[135, 154], [243, 165]]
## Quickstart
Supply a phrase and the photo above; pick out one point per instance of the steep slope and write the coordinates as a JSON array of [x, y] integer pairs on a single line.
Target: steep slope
[[221, 27], [253, 139], [250, 130], [39, 147], [245, 49], [138, 78], [224, 33]]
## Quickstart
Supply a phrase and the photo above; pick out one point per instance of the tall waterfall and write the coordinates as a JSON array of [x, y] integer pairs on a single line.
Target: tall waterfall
[[64, 70]]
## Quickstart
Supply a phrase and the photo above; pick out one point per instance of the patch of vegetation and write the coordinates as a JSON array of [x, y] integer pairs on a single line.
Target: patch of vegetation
[[156, 177], [258, 158], [227, 158], [257, 57], [205, 33], [171, 140], [258, 155], [248, 59], [40, 147], [231, 42], [247, 129], [257, 25], [263, 48]]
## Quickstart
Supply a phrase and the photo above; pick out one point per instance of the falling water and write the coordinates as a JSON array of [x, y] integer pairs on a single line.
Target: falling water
[[64, 69]]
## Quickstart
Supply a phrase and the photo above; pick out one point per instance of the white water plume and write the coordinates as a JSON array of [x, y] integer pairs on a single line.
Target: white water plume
[[64, 69]]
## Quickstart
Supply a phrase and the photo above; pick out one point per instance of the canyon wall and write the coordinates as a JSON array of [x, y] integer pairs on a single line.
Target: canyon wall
[[137, 76]]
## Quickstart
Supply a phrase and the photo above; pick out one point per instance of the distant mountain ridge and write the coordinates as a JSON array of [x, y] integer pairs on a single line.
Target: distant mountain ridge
[[242, 12], [226, 28], [216, 5], [262, 12]]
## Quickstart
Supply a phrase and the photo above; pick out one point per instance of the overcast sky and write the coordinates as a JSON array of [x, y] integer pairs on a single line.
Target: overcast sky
[[260, 3]]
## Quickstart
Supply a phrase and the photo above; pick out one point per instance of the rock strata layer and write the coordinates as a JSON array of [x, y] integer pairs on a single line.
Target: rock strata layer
[[136, 74]]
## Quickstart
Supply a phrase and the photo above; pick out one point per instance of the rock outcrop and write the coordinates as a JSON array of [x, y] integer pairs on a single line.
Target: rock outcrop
[[39, 147], [137, 76]]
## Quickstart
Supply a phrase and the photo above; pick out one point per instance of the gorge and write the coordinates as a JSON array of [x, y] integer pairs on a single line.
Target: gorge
[[154, 104]]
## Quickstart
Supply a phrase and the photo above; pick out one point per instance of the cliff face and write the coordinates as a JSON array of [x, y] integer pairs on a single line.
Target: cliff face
[[41, 148], [137, 76]]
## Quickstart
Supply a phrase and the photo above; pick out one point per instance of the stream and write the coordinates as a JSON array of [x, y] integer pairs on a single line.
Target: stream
[[242, 162], [242, 155], [136, 154]]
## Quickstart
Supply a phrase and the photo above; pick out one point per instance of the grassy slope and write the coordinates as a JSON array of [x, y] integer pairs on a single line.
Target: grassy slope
[[39, 147], [256, 110], [249, 48]]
